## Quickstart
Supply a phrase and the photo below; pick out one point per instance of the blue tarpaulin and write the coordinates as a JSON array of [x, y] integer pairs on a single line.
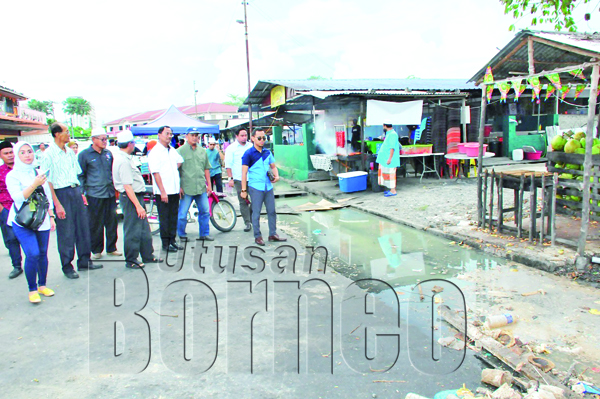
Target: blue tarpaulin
[[177, 120]]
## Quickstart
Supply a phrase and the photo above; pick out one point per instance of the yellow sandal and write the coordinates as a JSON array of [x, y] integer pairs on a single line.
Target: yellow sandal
[[46, 292], [34, 297]]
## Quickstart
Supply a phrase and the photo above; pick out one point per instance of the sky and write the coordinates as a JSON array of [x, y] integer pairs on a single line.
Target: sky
[[131, 56]]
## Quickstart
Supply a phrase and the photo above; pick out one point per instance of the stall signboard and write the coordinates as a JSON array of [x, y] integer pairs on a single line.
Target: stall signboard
[[277, 96]]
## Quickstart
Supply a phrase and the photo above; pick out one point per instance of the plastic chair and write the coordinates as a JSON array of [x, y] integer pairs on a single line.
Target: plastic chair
[[420, 130], [452, 140]]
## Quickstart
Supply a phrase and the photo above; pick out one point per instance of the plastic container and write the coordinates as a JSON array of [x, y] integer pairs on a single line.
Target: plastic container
[[487, 130], [461, 148], [533, 156], [472, 149], [500, 320], [352, 181], [518, 155]]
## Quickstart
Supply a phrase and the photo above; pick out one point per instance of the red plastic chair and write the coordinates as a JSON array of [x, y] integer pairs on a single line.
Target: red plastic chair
[[452, 140]]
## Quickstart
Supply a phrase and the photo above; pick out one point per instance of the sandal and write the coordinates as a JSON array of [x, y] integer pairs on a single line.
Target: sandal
[[134, 265], [154, 260], [34, 297]]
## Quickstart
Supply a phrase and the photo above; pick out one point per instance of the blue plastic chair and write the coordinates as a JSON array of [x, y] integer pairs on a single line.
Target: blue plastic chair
[[420, 130]]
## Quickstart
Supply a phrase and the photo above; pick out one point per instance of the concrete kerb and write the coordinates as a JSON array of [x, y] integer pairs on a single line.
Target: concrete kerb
[[516, 254]]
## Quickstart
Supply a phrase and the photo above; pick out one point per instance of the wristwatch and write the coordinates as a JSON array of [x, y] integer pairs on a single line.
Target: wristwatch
[[243, 190]]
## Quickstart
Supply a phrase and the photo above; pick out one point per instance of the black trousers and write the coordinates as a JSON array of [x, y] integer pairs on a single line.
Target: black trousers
[[167, 218], [217, 183], [138, 238], [102, 214], [245, 209], [74, 230]]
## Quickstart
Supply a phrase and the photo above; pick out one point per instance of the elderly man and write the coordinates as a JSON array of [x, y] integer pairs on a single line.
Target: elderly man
[[131, 186], [215, 157], [258, 174], [388, 159], [97, 183], [10, 241], [72, 225], [195, 185], [164, 162], [233, 164]]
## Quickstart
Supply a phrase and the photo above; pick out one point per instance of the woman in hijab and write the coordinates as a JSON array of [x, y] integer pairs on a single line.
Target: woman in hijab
[[21, 182]]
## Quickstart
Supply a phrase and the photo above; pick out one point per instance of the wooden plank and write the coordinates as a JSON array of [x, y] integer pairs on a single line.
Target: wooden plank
[[530, 57], [493, 179], [520, 221], [501, 352], [480, 156], [542, 225], [500, 203], [532, 209], [578, 159], [587, 163], [553, 210], [525, 76], [484, 200]]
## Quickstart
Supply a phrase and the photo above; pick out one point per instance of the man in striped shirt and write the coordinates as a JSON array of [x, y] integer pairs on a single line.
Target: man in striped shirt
[[72, 225]]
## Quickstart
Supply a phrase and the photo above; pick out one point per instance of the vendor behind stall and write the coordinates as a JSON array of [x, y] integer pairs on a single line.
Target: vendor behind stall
[[388, 159], [356, 130]]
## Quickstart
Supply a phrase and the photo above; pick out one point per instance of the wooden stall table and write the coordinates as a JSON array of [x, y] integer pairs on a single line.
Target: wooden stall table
[[422, 158], [458, 156]]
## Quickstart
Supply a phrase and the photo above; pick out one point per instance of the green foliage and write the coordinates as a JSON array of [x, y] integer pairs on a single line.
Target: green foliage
[[46, 107], [557, 12], [50, 121], [76, 106], [316, 77], [79, 132], [235, 100]]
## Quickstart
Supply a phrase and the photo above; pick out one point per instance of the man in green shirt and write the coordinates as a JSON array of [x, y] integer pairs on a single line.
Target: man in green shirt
[[195, 185]]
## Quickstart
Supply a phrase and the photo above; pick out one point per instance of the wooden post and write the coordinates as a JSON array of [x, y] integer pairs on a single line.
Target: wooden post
[[480, 157], [500, 203], [520, 207], [587, 162], [532, 207], [543, 208], [492, 199], [363, 156], [464, 124], [484, 201], [530, 59], [553, 209]]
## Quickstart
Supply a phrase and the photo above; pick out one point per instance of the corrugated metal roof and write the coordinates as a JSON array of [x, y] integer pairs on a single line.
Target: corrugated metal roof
[[186, 109], [559, 49]]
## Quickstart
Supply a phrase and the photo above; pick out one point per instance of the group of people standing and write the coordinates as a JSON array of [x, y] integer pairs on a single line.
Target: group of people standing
[[82, 192]]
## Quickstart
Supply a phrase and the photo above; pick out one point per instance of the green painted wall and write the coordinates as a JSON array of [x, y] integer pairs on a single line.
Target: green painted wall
[[513, 140], [293, 161]]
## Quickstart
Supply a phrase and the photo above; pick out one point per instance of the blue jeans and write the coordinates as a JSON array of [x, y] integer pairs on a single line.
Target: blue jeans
[[35, 246], [203, 214], [10, 241], [259, 198]]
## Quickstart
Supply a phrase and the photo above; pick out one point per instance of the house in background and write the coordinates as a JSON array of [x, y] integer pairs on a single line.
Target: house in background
[[17, 122], [212, 113]]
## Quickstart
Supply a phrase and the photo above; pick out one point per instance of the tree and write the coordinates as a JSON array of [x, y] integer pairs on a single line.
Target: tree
[[235, 100], [76, 106], [316, 77], [557, 12], [46, 107]]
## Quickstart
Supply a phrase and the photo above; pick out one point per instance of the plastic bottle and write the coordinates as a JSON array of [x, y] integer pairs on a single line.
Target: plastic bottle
[[500, 320]]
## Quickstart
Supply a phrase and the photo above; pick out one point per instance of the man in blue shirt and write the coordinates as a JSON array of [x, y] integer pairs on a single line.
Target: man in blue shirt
[[257, 164], [215, 156]]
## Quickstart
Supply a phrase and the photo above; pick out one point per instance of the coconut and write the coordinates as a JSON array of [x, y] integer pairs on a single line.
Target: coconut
[[582, 142], [596, 150], [565, 176], [559, 165], [571, 146], [558, 143], [579, 136], [580, 151], [572, 166]]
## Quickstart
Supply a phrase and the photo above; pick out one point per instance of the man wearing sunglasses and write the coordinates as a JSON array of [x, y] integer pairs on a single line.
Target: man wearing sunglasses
[[97, 185], [258, 174]]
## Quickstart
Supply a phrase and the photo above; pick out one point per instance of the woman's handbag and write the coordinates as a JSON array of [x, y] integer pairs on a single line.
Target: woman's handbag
[[33, 211]]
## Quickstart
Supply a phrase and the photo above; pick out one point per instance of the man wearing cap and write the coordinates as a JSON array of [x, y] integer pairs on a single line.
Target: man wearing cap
[[96, 180], [215, 157], [10, 241], [233, 164], [72, 225], [195, 185], [164, 162], [131, 186]]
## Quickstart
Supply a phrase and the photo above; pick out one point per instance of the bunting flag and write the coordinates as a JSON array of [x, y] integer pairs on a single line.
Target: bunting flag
[[554, 78], [519, 92], [518, 88], [578, 90], [534, 81], [564, 91], [549, 91], [578, 73], [504, 89], [488, 79]]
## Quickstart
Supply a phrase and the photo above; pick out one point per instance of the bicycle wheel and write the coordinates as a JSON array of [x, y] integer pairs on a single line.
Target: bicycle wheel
[[152, 214], [223, 215]]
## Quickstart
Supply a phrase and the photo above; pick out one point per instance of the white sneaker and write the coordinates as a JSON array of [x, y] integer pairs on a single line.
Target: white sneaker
[[97, 256], [116, 253]]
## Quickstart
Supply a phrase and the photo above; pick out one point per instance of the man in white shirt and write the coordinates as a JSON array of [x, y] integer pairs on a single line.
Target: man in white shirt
[[233, 164], [164, 162]]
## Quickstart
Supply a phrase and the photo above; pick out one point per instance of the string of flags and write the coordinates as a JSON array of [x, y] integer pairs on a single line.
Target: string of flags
[[535, 84]]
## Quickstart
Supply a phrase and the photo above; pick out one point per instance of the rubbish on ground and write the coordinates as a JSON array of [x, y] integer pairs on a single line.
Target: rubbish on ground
[[499, 294], [500, 320], [541, 349], [544, 364], [437, 289], [414, 396], [582, 387], [438, 299], [452, 343], [309, 207], [346, 199], [595, 311], [505, 338], [495, 377], [506, 392], [421, 292], [555, 391], [540, 291], [317, 232], [596, 369], [451, 393], [327, 204]]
